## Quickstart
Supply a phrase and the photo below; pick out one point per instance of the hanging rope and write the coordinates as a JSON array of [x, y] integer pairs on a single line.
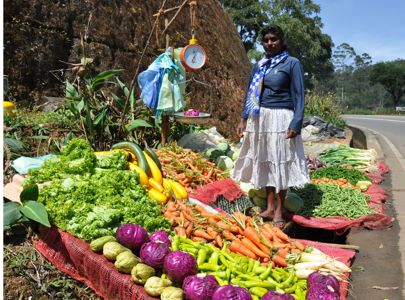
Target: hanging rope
[[193, 6], [175, 15]]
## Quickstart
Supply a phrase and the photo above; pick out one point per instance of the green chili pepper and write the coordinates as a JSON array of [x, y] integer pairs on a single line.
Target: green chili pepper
[[208, 267], [299, 293], [223, 260], [256, 283], [254, 297], [259, 270], [202, 255], [227, 256], [250, 266], [258, 291], [302, 283], [189, 249], [291, 289], [175, 243], [276, 275], [288, 281], [214, 258], [222, 281], [265, 274]]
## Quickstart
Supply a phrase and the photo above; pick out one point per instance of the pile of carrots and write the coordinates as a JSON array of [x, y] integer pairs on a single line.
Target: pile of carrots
[[244, 236], [339, 182], [189, 168]]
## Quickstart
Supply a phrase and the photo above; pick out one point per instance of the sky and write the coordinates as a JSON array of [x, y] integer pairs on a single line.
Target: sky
[[376, 27]]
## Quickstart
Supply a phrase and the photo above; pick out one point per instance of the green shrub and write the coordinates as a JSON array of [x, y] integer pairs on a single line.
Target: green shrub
[[325, 107]]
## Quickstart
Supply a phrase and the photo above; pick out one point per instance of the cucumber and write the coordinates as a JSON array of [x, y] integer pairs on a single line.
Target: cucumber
[[136, 150], [154, 156]]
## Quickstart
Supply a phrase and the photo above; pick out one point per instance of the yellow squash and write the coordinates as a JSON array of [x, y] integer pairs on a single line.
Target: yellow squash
[[154, 169], [158, 196], [178, 190], [143, 178], [156, 185]]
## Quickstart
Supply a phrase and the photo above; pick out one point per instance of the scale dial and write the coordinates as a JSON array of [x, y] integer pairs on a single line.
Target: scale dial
[[193, 57]]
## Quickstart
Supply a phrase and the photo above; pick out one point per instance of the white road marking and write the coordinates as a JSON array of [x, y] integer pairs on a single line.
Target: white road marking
[[374, 119]]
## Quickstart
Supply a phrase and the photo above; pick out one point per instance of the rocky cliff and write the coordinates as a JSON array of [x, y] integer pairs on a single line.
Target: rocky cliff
[[41, 37]]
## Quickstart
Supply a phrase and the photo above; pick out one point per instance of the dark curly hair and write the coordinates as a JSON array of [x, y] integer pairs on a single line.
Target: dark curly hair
[[275, 30]]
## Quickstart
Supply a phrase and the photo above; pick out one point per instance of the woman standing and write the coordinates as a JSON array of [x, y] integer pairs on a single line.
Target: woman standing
[[272, 153]]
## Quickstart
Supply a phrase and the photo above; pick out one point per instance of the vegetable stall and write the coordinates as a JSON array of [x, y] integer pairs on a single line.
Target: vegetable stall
[[124, 224]]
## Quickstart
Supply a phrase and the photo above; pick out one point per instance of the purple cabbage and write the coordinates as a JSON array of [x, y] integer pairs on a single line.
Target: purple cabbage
[[318, 279], [231, 292], [322, 287], [160, 236], [199, 287], [131, 236], [321, 292], [273, 295], [153, 253], [178, 265]]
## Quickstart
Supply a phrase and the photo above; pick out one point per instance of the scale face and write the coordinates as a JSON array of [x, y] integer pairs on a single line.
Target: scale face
[[193, 57]]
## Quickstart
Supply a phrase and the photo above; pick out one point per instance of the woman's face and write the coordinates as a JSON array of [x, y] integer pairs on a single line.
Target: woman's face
[[272, 44]]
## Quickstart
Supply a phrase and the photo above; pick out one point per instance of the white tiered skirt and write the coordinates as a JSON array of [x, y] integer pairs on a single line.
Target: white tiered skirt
[[266, 157]]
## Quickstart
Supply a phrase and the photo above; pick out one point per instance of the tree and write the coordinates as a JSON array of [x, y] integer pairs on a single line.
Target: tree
[[249, 17], [300, 22], [345, 59], [391, 75]]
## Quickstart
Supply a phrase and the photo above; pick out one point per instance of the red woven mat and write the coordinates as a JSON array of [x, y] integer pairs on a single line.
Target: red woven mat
[[74, 257], [374, 221], [344, 255], [209, 193]]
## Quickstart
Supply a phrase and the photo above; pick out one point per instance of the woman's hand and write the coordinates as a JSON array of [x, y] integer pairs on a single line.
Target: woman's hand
[[291, 134], [241, 127]]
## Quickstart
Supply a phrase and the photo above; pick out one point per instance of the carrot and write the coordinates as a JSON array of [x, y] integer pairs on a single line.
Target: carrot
[[212, 221], [265, 239], [282, 252], [298, 245], [267, 234], [281, 234], [189, 229], [218, 240], [186, 223], [249, 222], [212, 232], [228, 235], [223, 225], [199, 208], [171, 206], [184, 207], [202, 234], [237, 247], [280, 245], [198, 239], [240, 216], [180, 231], [278, 260], [208, 215], [188, 217], [252, 247], [253, 236]]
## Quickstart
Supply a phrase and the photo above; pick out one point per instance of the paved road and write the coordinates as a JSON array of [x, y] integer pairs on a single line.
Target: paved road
[[388, 134]]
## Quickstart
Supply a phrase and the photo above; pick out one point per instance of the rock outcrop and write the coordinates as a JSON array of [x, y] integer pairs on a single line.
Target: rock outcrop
[[41, 37]]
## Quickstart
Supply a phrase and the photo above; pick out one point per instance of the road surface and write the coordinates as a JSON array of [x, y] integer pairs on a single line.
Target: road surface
[[383, 252]]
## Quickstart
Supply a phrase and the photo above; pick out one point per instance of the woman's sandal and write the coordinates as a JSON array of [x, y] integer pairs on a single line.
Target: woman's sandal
[[279, 223]]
